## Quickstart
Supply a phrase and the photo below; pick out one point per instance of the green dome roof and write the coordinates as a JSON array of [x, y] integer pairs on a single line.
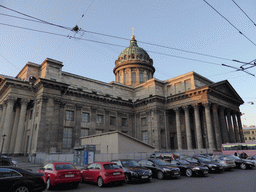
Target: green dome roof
[[134, 49]]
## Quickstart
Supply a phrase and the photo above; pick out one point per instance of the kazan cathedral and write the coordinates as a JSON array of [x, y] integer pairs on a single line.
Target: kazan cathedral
[[45, 109]]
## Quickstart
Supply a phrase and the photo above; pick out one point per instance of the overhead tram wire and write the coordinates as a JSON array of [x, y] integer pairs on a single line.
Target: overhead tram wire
[[112, 36], [229, 22], [94, 41], [244, 13]]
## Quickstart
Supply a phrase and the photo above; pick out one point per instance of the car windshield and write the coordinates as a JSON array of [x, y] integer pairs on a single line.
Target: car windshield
[[160, 162], [204, 159], [64, 167], [111, 166], [184, 162], [130, 163]]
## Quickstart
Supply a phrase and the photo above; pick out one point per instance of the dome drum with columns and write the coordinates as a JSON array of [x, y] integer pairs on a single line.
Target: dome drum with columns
[[133, 66]]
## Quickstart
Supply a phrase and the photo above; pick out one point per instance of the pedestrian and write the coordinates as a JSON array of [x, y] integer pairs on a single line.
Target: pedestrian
[[243, 155], [235, 154]]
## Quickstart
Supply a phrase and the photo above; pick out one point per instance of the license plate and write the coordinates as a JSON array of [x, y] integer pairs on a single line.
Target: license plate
[[176, 173], [205, 171], [72, 175], [117, 173], [144, 177]]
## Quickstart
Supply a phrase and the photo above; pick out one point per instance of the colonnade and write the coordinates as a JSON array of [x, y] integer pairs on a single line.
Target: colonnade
[[12, 124], [222, 125]]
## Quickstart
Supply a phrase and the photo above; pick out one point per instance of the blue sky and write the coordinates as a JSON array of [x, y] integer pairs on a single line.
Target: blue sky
[[189, 25]]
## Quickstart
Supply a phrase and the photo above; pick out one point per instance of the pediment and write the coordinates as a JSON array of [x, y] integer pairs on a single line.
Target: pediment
[[226, 88]]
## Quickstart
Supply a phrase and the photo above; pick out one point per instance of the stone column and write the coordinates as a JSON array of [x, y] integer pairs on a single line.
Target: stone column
[[61, 125], [241, 132], [199, 138], [92, 130], [14, 131], [77, 130], [2, 118], [21, 126], [231, 131], [223, 125], [237, 136], [1, 113], [188, 128], [178, 128], [217, 126], [7, 129], [209, 125], [118, 121]]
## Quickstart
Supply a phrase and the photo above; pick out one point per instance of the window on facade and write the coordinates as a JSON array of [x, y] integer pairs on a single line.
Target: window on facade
[[144, 135], [252, 132], [86, 117], [100, 119], [124, 122], [250, 138], [124, 132], [253, 138], [112, 120], [67, 138], [245, 138], [141, 77], [84, 132], [133, 76], [69, 115], [99, 131], [143, 121]]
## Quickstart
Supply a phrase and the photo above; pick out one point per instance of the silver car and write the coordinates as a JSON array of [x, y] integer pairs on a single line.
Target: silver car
[[227, 162]]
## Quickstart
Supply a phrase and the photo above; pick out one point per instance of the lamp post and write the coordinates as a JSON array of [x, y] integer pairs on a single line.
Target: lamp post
[[4, 135]]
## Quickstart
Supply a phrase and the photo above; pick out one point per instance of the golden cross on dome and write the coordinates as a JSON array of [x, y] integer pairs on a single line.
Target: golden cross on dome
[[133, 37]]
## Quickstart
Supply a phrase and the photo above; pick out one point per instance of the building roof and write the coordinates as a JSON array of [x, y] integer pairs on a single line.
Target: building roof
[[118, 132]]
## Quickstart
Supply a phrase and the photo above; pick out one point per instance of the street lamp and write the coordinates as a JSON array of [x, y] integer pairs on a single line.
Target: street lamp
[[4, 135]]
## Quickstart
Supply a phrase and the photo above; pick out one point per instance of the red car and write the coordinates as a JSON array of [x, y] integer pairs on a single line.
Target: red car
[[57, 173], [103, 173]]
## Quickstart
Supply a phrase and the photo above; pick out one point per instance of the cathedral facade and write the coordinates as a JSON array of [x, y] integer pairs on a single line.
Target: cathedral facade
[[44, 109]]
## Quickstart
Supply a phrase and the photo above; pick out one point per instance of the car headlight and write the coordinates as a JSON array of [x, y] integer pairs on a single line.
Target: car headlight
[[133, 173], [165, 169], [196, 168], [150, 172]]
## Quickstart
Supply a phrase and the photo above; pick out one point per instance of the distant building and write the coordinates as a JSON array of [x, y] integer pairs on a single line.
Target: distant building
[[51, 112], [249, 133]]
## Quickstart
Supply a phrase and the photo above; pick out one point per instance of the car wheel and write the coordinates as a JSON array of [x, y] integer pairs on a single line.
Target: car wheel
[[21, 189], [127, 178], [189, 172], [100, 182], [160, 175], [48, 184], [207, 168], [243, 166]]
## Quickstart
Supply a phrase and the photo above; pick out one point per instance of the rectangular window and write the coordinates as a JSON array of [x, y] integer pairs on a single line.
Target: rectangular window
[[143, 121], [144, 135], [146, 76], [100, 119], [141, 77], [133, 76], [67, 138], [86, 117], [69, 115], [99, 131], [84, 132], [124, 122], [112, 120]]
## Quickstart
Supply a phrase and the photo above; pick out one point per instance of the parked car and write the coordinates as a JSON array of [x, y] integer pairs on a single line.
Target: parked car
[[242, 163], [160, 168], [5, 161], [213, 166], [133, 170], [189, 169], [227, 162], [18, 179], [103, 173], [60, 173], [252, 159]]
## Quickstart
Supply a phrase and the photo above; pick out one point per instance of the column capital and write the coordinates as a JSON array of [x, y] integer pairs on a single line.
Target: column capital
[[222, 108], [24, 101], [43, 99], [207, 105], [195, 105], [185, 107], [10, 99], [215, 106], [176, 109]]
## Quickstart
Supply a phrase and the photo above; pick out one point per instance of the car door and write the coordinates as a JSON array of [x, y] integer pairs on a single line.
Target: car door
[[151, 165], [87, 173], [8, 177]]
